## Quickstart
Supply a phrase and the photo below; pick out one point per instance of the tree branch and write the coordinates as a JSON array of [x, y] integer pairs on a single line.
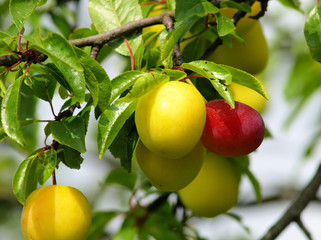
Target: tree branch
[[102, 38], [130, 27], [177, 55], [292, 214]]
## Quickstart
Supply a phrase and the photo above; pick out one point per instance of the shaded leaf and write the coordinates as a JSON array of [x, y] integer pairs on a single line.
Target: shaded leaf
[[124, 144], [110, 123], [195, 49], [70, 132], [97, 80], [69, 156]]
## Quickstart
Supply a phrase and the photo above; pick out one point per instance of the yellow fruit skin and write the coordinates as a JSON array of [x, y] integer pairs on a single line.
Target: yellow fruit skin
[[171, 118], [166, 174], [251, 57], [214, 190], [248, 96], [56, 213]]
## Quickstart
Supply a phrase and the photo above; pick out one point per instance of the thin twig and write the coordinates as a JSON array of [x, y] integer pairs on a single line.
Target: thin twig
[[295, 209], [304, 229], [95, 50], [54, 180]]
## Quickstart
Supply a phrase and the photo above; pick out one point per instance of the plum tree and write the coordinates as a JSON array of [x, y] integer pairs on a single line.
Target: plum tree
[[215, 189], [136, 115], [170, 174], [56, 212], [232, 132], [170, 119]]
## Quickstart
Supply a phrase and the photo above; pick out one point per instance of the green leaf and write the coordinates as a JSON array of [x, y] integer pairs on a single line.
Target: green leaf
[[110, 123], [47, 162], [144, 84], [122, 177], [195, 49], [69, 156], [40, 85], [21, 10], [70, 132], [138, 55], [224, 25], [125, 233], [169, 44], [174, 75], [56, 74], [218, 76], [209, 70], [24, 123], [85, 114], [295, 4], [185, 9], [312, 32], [255, 184], [62, 54], [107, 15], [10, 109], [97, 80], [239, 220], [4, 47], [123, 82], [162, 224], [124, 144], [246, 79], [239, 6], [25, 178], [98, 224]]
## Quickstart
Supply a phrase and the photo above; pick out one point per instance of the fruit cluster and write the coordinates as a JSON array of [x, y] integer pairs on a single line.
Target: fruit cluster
[[184, 144]]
